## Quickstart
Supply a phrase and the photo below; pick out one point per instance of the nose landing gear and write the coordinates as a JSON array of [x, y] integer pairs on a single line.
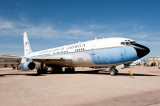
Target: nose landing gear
[[113, 71]]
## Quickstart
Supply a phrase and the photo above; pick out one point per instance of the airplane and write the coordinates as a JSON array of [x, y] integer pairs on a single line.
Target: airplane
[[106, 52]]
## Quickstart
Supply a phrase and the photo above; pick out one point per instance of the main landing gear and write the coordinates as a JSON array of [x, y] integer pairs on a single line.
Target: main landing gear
[[55, 69], [60, 70], [113, 71], [42, 70], [69, 70]]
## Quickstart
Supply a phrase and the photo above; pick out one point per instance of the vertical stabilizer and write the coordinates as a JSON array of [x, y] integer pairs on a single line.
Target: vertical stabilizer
[[27, 47]]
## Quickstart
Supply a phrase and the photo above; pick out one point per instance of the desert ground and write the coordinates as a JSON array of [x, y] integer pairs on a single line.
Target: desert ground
[[85, 87]]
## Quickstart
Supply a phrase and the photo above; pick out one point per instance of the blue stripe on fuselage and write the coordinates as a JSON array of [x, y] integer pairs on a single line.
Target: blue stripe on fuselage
[[113, 55]]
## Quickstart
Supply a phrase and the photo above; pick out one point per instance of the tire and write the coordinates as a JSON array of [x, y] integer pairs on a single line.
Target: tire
[[116, 71], [69, 70], [45, 71], [113, 72], [73, 70], [39, 71], [66, 70], [57, 70]]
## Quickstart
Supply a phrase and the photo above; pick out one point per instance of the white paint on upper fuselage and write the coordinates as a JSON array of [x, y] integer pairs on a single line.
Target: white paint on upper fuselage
[[83, 46]]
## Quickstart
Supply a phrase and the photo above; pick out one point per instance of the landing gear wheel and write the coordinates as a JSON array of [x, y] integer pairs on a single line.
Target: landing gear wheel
[[45, 70], [69, 70], [39, 71], [42, 69], [73, 70], [66, 70], [113, 72], [57, 69], [116, 71]]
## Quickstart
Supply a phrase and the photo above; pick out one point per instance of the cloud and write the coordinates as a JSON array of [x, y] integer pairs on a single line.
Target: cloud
[[14, 28], [141, 35], [5, 24], [75, 32], [78, 32], [149, 43], [141, 27], [10, 49], [8, 28], [97, 26], [10, 46], [92, 26], [82, 32]]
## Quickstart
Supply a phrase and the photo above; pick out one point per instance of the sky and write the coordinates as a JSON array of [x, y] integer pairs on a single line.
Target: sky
[[53, 23]]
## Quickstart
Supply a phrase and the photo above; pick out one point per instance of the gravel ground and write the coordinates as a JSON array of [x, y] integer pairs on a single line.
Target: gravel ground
[[84, 87]]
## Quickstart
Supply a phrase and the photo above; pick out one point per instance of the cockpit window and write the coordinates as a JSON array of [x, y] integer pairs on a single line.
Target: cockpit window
[[127, 43], [122, 43], [133, 42]]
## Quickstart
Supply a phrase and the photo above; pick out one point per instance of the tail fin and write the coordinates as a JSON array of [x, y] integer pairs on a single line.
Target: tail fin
[[27, 48]]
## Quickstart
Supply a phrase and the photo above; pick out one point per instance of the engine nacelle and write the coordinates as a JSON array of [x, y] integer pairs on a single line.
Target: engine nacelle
[[27, 66]]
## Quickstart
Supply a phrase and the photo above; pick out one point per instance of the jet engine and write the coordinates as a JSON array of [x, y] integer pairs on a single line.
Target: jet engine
[[27, 66]]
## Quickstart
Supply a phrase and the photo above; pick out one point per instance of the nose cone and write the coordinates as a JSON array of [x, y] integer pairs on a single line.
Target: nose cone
[[141, 50]]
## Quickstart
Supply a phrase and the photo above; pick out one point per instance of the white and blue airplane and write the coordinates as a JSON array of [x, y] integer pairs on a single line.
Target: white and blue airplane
[[107, 52]]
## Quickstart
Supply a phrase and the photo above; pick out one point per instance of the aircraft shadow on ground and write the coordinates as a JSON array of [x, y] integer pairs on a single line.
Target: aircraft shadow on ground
[[27, 74], [97, 72], [102, 72]]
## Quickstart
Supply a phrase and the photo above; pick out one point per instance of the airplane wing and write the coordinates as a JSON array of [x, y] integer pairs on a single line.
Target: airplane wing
[[8, 59], [52, 60]]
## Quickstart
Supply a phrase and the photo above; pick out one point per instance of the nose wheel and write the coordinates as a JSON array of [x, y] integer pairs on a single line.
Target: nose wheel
[[113, 72]]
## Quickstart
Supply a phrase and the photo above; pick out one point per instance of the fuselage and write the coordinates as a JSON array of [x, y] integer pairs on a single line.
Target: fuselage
[[99, 52]]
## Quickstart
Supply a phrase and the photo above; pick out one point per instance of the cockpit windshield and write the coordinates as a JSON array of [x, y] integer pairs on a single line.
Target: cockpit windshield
[[122, 43], [133, 42], [127, 43]]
